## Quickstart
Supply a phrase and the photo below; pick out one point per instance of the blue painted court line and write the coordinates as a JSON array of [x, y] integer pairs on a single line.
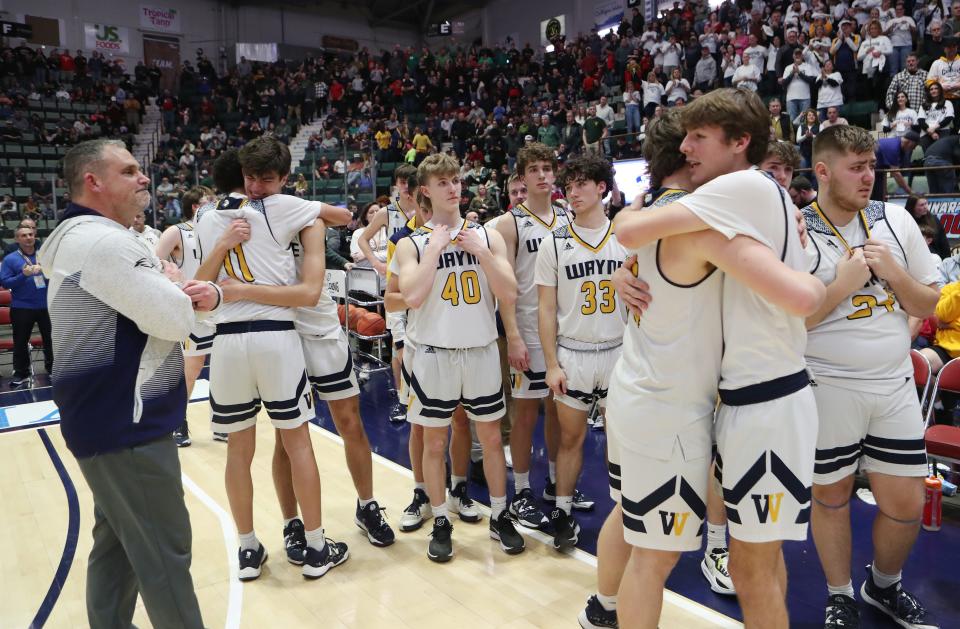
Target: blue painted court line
[[73, 533]]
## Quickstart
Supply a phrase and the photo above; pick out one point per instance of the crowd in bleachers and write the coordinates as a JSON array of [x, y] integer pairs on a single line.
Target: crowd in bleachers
[[820, 63]]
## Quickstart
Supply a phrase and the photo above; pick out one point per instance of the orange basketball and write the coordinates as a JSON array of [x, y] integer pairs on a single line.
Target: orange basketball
[[355, 312], [342, 313], [371, 324]]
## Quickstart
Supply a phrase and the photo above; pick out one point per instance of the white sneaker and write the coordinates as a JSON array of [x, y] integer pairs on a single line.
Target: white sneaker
[[508, 456], [461, 504], [714, 568]]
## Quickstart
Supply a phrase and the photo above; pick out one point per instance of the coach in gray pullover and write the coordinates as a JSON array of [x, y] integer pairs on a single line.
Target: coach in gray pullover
[[118, 314]]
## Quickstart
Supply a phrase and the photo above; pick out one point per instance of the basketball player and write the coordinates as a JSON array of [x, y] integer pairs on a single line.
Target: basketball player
[[330, 371], [581, 322], [450, 272], [394, 218], [460, 443], [765, 466], [257, 356], [877, 268], [522, 230], [782, 159], [178, 244]]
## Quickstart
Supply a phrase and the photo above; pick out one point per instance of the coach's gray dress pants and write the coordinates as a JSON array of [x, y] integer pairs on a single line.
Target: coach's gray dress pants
[[141, 539]]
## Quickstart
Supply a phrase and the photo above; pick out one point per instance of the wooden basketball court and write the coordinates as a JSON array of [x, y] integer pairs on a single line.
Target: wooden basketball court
[[396, 587]]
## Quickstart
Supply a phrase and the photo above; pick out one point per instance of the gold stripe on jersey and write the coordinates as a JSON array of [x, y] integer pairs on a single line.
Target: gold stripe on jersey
[[245, 275], [597, 248], [553, 210], [863, 221]]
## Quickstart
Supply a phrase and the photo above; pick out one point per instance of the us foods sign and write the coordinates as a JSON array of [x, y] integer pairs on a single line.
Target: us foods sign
[[159, 19], [106, 38]]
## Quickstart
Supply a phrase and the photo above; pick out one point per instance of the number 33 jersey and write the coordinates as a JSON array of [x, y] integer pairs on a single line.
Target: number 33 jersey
[[580, 263], [459, 311], [865, 341]]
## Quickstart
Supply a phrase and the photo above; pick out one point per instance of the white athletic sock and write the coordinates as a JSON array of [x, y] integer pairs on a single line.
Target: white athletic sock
[[882, 580], [440, 511], [553, 472], [565, 503], [421, 486], [249, 541], [456, 480], [364, 503], [609, 602], [315, 539], [497, 506], [287, 521], [716, 536], [521, 481], [846, 590]]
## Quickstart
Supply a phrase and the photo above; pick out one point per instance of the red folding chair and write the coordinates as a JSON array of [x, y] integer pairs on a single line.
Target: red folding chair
[[5, 297], [943, 441], [921, 376]]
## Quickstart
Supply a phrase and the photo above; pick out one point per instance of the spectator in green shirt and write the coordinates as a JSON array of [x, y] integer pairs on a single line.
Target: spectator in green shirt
[[548, 134]]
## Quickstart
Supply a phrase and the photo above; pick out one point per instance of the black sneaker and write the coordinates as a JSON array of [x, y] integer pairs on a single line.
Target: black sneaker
[[418, 511], [317, 563], [220, 436], [524, 509], [900, 605], [580, 501], [462, 504], [596, 616], [398, 413], [370, 519], [842, 613], [566, 531], [441, 542], [503, 531], [295, 541], [251, 563], [19, 383], [181, 436]]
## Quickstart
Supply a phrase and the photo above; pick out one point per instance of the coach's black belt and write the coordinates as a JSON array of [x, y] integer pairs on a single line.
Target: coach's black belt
[[765, 391], [263, 325]]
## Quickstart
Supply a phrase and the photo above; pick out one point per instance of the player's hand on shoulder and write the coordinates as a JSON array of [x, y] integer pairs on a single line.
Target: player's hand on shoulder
[[237, 232], [471, 241], [880, 259], [632, 289], [172, 271], [853, 270], [557, 380]]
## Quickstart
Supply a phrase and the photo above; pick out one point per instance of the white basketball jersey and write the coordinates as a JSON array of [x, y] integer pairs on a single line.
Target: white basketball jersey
[[459, 311], [265, 258], [580, 264], [670, 364], [189, 261], [318, 320], [762, 341], [530, 231], [865, 340], [396, 219]]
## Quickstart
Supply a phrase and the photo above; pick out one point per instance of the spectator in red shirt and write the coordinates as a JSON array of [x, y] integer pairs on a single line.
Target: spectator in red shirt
[[67, 67]]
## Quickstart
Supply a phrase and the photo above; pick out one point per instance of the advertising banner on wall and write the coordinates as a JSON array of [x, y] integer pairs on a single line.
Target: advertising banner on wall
[[159, 19], [163, 53], [106, 38], [947, 211], [607, 13]]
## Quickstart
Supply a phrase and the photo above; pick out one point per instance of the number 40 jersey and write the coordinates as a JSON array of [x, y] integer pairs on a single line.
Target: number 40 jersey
[[587, 306]]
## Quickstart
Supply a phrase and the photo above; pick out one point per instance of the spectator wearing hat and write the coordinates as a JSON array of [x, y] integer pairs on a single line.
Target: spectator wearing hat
[[893, 153], [796, 81], [844, 53], [946, 72]]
